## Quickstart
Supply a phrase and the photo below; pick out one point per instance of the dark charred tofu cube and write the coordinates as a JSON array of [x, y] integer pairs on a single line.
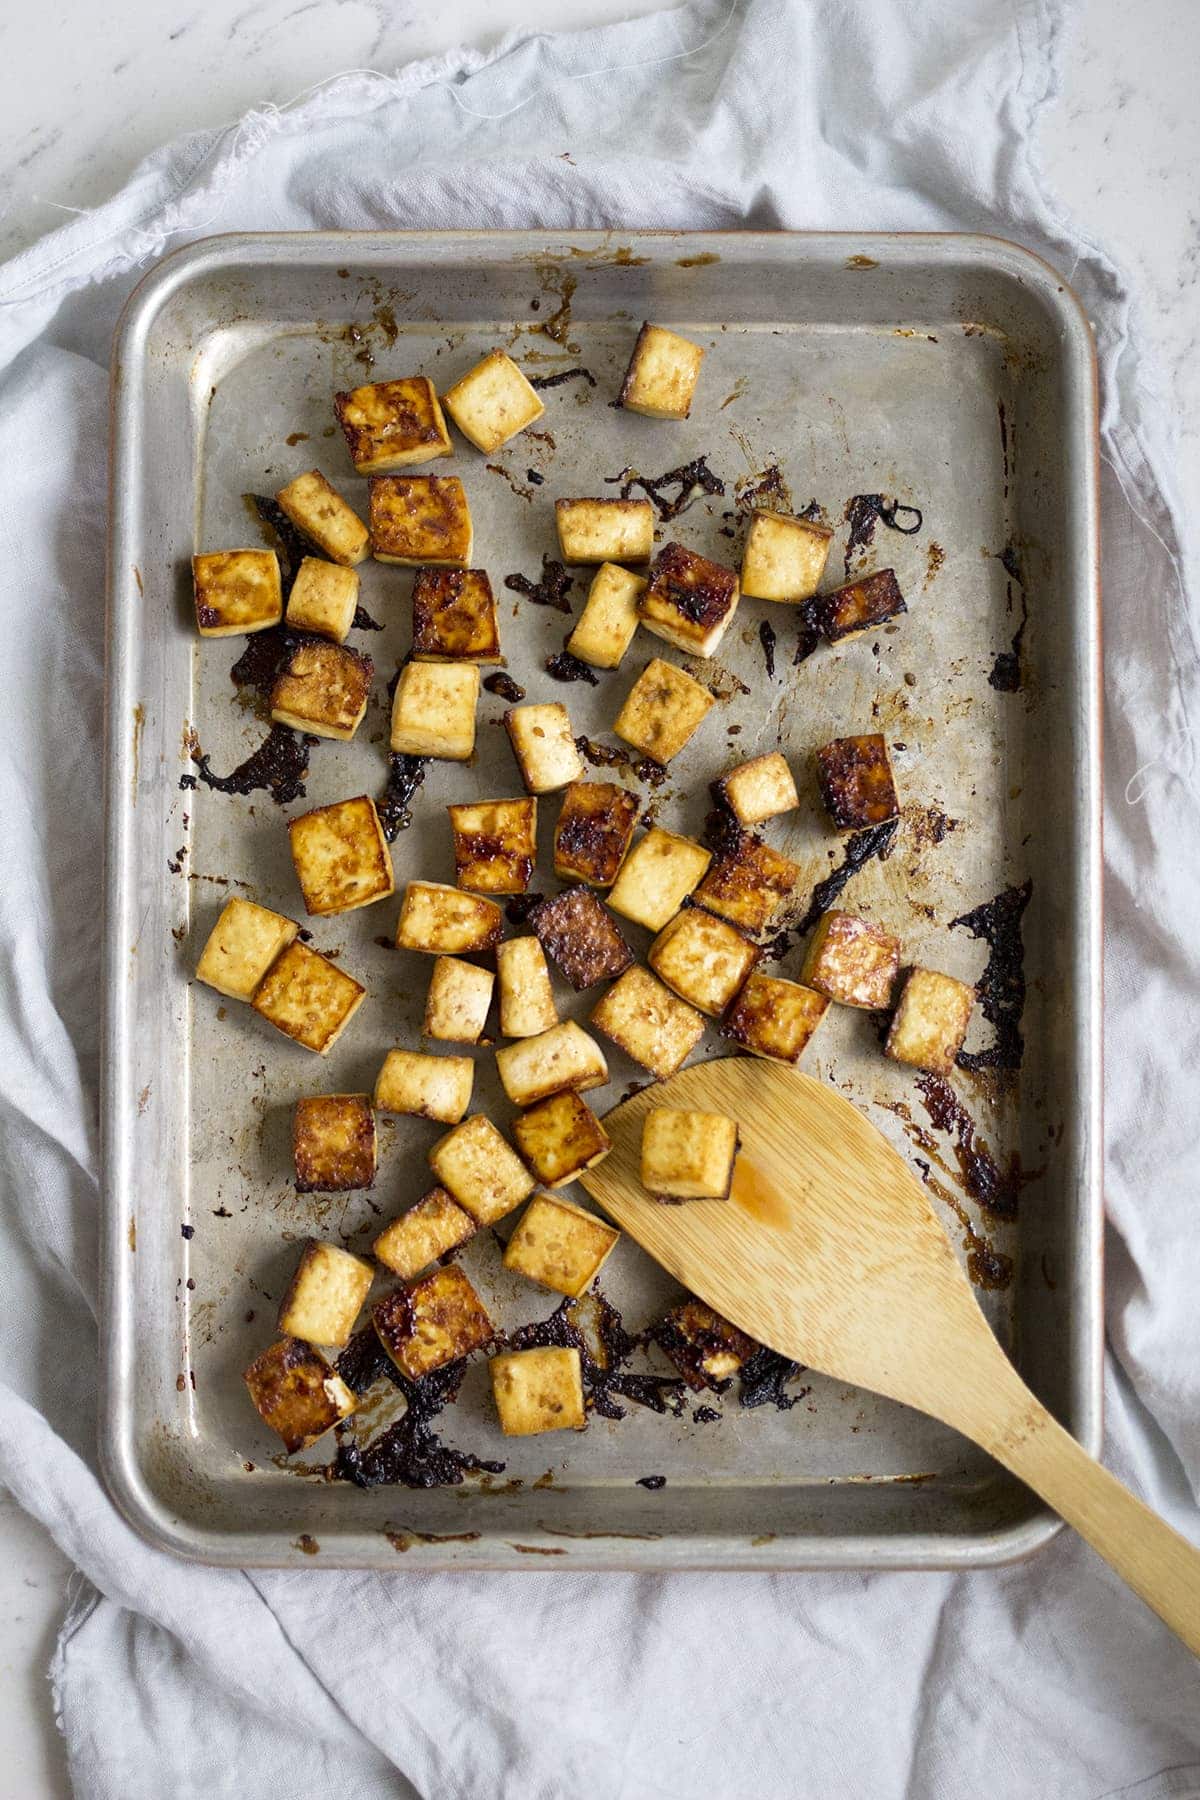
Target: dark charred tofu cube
[[419, 519], [326, 1295], [324, 599], [774, 1018], [605, 531], [456, 1006], [657, 876], [559, 1138], [852, 961], [454, 617], [341, 856], [435, 1321], [662, 709], [424, 1234], [859, 606], [495, 845], [308, 998], [425, 1087], [605, 628], [706, 1349], [784, 558], [855, 778], [703, 959], [297, 1393], [561, 1059], [560, 1245], [544, 745], [318, 510], [392, 424], [236, 592], [748, 886], [662, 374], [433, 710], [688, 1155], [492, 402], [580, 937], [930, 1023], [241, 947], [443, 921], [333, 1148], [323, 688], [648, 1022], [481, 1170], [759, 789], [593, 832], [526, 997], [689, 601], [538, 1390]]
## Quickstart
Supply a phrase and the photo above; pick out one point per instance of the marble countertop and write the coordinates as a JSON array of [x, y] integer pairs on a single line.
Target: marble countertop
[[1120, 144]]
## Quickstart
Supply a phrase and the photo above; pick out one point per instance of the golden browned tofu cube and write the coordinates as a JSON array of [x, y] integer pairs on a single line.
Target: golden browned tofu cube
[[855, 778], [544, 745], [454, 617], [333, 1147], [774, 1018], [593, 832], [433, 710], [297, 1393], [784, 558], [425, 1087], [236, 591], [443, 921], [325, 1296], [341, 856], [688, 1155], [703, 959], [456, 1006], [689, 601], [859, 606], [538, 1390], [428, 1231], [308, 998], [706, 1349], [392, 424], [930, 1023], [323, 688], [318, 510], [495, 845], [561, 1058], [749, 885], [526, 996], [604, 531], [604, 630], [662, 374], [759, 789], [419, 519], [323, 599], [492, 402], [657, 876], [560, 1245], [648, 1022], [662, 709], [852, 961], [481, 1170], [241, 947], [435, 1321], [559, 1138], [580, 937]]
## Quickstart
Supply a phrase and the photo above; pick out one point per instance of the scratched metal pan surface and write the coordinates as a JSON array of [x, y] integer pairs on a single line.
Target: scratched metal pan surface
[[951, 374]]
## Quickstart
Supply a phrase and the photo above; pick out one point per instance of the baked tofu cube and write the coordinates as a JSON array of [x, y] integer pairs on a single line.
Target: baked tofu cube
[[774, 1018], [456, 1006], [930, 1023], [297, 1393], [308, 998], [688, 1155], [759, 789], [852, 961], [657, 876], [538, 1390], [323, 688], [526, 997], [855, 778], [323, 599], [702, 959], [604, 531], [563, 1058], [241, 947], [689, 601], [706, 1349], [495, 845], [435, 1321], [784, 558], [492, 402], [454, 617], [481, 1170], [419, 519], [392, 424], [748, 886], [341, 856], [605, 627], [859, 606], [333, 1148], [662, 374], [236, 591], [593, 832], [559, 1138], [443, 921], [425, 1087], [325, 1296], [428, 1231], [544, 745], [560, 1245], [648, 1022], [580, 937], [662, 709], [318, 510], [433, 710]]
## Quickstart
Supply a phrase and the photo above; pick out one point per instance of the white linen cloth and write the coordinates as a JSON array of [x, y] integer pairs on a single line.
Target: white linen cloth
[[1040, 1680]]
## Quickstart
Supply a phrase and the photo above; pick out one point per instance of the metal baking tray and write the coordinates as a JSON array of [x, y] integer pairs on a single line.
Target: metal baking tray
[[952, 374]]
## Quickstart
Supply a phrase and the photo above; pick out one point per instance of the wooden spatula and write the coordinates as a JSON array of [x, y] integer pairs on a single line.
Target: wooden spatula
[[829, 1251]]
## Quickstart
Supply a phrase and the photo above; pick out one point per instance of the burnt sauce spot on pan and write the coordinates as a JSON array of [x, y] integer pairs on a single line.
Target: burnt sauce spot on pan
[[653, 1482], [551, 590], [764, 491], [1005, 674], [409, 1452], [1001, 987], [613, 756], [405, 775], [362, 621], [565, 667], [260, 662], [766, 637], [864, 511], [278, 767], [518, 909], [809, 633], [505, 687], [987, 1267], [593, 1326], [688, 481], [763, 1378], [289, 543], [996, 1189], [553, 381], [861, 848]]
